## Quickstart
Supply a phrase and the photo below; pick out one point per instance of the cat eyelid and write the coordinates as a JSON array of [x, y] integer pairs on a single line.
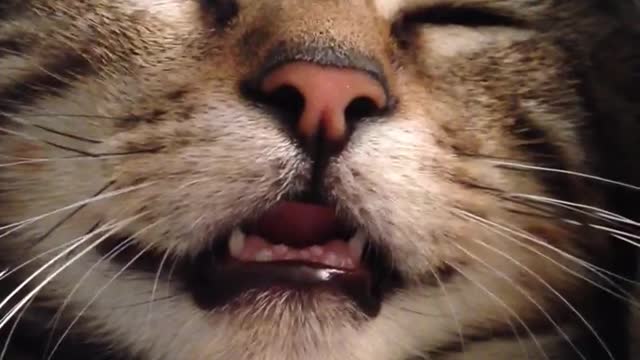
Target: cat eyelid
[[459, 15]]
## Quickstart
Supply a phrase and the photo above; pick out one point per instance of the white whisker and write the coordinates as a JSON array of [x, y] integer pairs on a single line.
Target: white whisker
[[112, 253], [98, 293], [107, 257], [172, 269], [57, 159], [618, 232], [619, 237], [528, 296], [625, 295], [507, 307], [13, 329], [8, 272], [527, 236], [566, 172], [553, 290], [51, 276], [81, 241], [155, 285], [571, 205], [18, 225], [454, 314]]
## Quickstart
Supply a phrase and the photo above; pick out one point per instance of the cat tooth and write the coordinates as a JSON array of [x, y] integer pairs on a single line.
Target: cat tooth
[[280, 249], [236, 243], [356, 244], [344, 263], [332, 260], [264, 256], [316, 251]]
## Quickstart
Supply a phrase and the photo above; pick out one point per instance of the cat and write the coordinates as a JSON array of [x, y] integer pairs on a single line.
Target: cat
[[336, 179]]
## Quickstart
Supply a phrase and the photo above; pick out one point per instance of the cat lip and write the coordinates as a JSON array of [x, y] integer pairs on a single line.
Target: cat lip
[[298, 231], [216, 285], [293, 247]]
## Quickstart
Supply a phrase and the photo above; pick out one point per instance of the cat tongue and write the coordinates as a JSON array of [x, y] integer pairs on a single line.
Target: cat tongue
[[292, 231], [298, 224]]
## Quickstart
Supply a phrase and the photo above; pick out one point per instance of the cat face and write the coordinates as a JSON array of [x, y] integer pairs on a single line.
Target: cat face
[[150, 162]]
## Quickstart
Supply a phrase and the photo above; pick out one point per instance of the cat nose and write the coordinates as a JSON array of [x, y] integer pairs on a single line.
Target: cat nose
[[324, 100]]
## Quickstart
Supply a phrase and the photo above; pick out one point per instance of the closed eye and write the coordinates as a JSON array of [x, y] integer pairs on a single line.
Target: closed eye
[[459, 15]]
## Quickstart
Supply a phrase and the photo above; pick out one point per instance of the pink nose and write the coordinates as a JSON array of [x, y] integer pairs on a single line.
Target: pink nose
[[329, 93]]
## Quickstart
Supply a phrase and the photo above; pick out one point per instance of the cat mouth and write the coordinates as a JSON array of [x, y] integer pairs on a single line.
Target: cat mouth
[[294, 247]]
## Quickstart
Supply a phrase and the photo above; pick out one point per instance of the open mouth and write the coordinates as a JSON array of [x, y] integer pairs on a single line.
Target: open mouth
[[294, 246]]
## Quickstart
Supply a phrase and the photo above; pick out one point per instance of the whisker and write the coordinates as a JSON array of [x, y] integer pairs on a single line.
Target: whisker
[[20, 121], [539, 209], [81, 241], [98, 293], [527, 236], [566, 172], [58, 315], [30, 161], [51, 276], [20, 224], [625, 296], [499, 301], [155, 285], [618, 232], [81, 116], [190, 322], [423, 314], [13, 329], [47, 142], [172, 269], [571, 205], [527, 295], [78, 151], [73, 213], [70, 136], [142, 303], [490, 157], [451, 307], [10, 271], [624, 239], [551, 288], [107, 257]]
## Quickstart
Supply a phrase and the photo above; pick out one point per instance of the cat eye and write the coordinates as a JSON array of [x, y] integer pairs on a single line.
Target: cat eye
[[458, 15]]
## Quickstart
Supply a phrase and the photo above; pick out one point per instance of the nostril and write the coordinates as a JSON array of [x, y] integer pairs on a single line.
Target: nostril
[[288, 101], [360, 108]]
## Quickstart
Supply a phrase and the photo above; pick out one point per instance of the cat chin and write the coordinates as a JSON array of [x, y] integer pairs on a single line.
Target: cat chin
[[257, 333], [252, 333]]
